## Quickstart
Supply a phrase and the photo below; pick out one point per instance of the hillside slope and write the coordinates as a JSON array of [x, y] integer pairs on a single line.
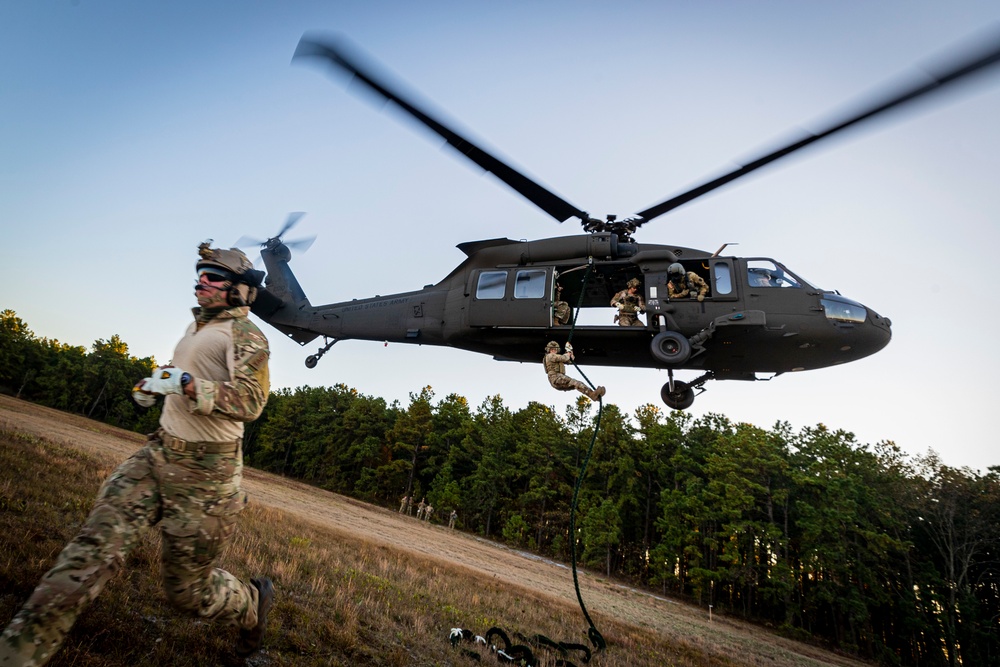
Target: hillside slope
[[348, 519]]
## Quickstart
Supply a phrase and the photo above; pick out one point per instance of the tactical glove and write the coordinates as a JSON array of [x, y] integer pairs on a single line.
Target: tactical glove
[[165, 380], [701, 297], [141, 397]]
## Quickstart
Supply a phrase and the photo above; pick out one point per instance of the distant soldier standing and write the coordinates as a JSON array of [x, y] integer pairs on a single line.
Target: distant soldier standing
[[685, 285], [451, 519], [428, 512], [420, 508], [404, 503], [555, 369], [185, 480], [629, 303]]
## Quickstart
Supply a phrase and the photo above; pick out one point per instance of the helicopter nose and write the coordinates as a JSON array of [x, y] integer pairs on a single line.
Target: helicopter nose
[[874, 334], [866, 332]]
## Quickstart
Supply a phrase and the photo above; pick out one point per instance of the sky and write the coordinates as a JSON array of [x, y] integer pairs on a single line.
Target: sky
[[131, 132]]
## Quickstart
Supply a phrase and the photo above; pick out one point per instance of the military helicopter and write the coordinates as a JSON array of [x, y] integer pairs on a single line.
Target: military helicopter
[[757, 316]]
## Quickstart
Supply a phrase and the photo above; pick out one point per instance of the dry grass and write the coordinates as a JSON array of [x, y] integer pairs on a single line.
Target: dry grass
[[345, 595], [340, 602]]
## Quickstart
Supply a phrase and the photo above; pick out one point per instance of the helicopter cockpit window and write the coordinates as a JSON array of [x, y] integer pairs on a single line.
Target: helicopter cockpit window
[[723, 279], [529, 284], [765, 273], [841, 309], [492, 285]]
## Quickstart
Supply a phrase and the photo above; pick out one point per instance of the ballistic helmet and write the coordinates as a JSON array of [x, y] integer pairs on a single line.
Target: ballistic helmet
[[235, 267]]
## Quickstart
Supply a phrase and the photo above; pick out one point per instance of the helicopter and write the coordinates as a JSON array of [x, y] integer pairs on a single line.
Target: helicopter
[[757, 316]]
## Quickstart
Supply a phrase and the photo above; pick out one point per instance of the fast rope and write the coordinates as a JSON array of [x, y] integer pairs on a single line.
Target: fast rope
[[522, 654]]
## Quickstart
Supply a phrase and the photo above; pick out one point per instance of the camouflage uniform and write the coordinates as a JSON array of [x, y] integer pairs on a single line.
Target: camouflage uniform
[[629, 306], [420, 509], [404, 503], [428, 512], [555, 369], [693, 286], [452, 518], [186, 479], [561, 313]]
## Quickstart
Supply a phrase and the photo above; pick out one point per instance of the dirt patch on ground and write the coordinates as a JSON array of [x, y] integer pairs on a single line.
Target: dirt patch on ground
[[353, 519]]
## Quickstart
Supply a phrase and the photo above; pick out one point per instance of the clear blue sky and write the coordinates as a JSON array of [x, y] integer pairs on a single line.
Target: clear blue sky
[[132, 131]]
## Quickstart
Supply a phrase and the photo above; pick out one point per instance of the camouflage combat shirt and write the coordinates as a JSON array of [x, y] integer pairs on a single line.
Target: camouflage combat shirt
[[227, 356]]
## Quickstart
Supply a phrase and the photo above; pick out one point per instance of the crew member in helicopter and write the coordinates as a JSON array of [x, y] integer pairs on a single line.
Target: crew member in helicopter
[[685, 285], [629, 303], [561, 312], [555, 369]]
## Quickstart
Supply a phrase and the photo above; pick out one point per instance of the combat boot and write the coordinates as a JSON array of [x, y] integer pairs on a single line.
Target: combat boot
[[595, 394], [250, 640]]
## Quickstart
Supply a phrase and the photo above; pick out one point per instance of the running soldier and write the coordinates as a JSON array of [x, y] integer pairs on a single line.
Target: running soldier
[[555, 369], [681, 285], [629, 303], [185, 480]]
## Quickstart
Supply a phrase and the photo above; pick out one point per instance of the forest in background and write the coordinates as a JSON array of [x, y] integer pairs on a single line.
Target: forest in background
[[887, 556]]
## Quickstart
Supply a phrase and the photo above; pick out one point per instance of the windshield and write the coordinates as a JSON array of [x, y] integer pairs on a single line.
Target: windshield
[[768, 273]]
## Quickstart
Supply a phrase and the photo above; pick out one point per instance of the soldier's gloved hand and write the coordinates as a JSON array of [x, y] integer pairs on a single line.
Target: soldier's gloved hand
[[143, 398], [701, 297], [165, 380], [569, 348]]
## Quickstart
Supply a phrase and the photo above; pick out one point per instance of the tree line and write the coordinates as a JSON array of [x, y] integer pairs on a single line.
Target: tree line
[[891, 557]]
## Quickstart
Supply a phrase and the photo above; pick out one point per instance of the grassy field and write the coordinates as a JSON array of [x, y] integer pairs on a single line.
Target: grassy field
[[342, 600]]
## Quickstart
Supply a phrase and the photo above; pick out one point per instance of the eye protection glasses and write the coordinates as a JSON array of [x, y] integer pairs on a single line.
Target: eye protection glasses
[[215, 275]]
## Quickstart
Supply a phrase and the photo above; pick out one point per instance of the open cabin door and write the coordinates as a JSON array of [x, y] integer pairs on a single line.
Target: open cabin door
[[514, 297]]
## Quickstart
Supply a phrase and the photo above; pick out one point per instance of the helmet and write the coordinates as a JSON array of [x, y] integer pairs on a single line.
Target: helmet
[[635, 282], [553, 345], [675, 270], [233, 263]]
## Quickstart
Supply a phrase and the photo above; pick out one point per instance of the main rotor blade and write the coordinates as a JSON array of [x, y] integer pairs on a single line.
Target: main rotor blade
[[335, 51], [946, 71]]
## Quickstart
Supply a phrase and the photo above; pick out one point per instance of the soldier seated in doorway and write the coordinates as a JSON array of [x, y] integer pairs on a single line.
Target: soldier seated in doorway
[[629, 303]]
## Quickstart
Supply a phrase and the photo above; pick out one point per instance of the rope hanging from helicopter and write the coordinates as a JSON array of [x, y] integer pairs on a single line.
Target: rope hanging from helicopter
[[522, 654]]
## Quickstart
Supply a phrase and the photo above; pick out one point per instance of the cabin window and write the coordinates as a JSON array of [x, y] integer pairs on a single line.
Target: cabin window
[[723, 279], [492, 285], [529, 284]]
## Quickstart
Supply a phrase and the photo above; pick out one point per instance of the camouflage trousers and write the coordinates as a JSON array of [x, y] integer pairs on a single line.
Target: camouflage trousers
[[566, 383], [629, 320], [193, 498]]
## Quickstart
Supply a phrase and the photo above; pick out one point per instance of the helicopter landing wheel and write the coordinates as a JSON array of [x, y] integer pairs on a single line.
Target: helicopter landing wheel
[[313, 359], [681, 398], [670, 347]]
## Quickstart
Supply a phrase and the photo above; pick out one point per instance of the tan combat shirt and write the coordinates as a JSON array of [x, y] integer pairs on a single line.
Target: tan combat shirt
[[227, 355]]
